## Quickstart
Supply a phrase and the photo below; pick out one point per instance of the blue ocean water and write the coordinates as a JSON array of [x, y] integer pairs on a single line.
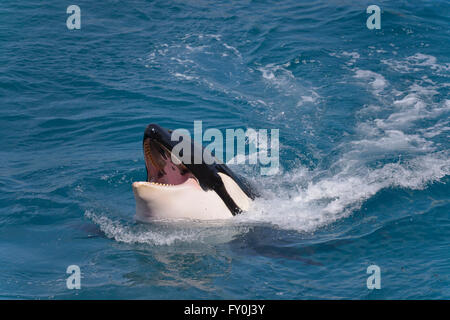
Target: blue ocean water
[[364, 147]]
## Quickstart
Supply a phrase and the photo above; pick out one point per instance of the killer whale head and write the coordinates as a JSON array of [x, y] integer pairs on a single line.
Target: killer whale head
[[183, 187]]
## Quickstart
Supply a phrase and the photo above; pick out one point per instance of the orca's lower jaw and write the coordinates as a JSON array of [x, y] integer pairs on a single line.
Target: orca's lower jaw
[[184, 201]]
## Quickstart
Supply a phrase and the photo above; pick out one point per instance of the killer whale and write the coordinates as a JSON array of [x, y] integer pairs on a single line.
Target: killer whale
[[186, 189]]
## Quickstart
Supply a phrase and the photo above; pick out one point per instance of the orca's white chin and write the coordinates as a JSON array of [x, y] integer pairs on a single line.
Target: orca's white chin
[[183, 201]]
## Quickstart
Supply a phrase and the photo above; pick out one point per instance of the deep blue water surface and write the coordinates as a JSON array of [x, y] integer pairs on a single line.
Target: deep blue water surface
[[364, 147]]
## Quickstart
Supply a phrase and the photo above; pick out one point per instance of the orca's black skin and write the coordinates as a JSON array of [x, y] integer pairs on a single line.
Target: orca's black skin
[[206, 174]]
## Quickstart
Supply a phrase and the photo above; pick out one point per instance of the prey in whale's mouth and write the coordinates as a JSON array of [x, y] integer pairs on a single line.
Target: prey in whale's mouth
[[161, 170]]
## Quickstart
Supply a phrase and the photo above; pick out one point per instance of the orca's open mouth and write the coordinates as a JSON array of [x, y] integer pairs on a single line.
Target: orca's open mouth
[[161, 170]]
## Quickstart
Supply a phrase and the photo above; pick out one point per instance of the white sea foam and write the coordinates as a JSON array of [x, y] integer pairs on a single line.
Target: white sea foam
[[418, 62], [184, 76], [162, 232], [236, 51], [436, 130], [353, 55], [323, 200], [377, 81], [283, 76], [284, 81]]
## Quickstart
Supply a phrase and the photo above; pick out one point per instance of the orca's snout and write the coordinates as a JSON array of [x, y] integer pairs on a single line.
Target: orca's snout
[[154, 131]]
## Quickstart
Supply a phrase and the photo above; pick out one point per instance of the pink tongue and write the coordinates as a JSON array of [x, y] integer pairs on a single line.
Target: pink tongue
[[172, 175]]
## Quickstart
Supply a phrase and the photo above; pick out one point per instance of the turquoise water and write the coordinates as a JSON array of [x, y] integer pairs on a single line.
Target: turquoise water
[[364, 150]]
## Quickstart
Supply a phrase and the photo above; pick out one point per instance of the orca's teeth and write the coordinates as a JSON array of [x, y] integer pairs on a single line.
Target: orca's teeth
[[162, 184]]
